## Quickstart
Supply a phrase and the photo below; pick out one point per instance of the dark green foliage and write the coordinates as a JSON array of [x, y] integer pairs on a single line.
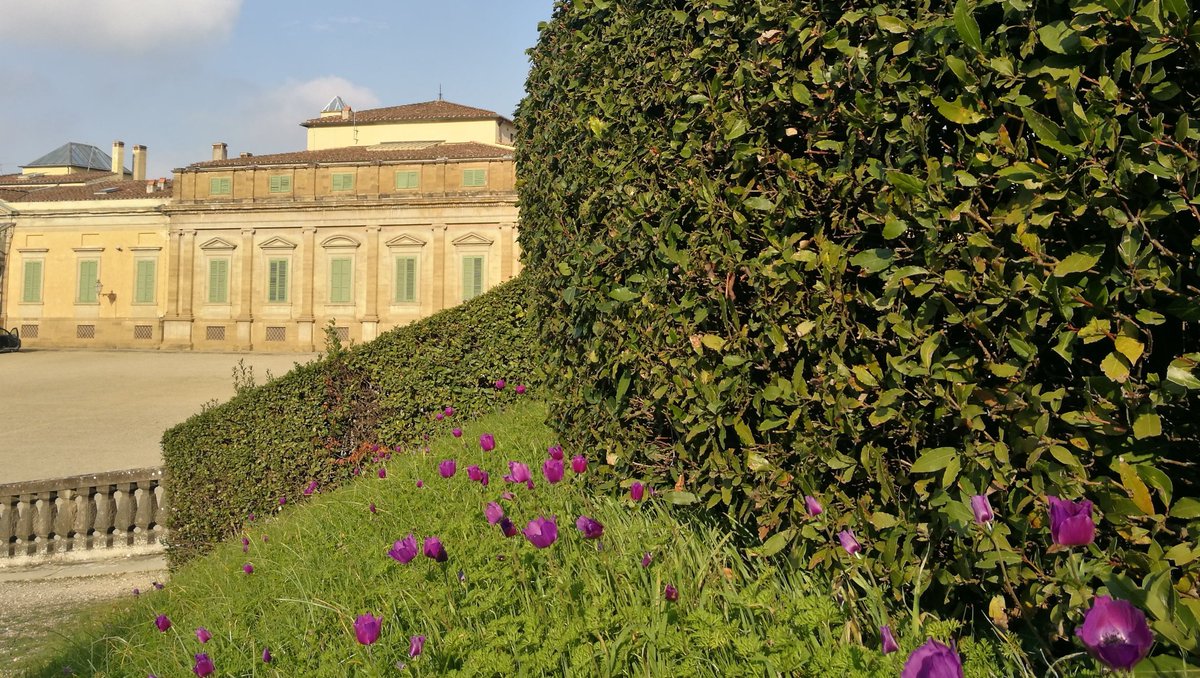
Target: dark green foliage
[[321, 420], [893, 255]]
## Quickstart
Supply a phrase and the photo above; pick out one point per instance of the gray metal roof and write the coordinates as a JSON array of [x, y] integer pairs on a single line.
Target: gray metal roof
[[73, 154], [335, 105]]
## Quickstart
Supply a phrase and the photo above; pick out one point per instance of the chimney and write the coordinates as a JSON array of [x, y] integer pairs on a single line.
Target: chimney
[[161, 185], [139, 163], [118, 159], [246, 155], [220, 151], [150, 186], [346, 113]]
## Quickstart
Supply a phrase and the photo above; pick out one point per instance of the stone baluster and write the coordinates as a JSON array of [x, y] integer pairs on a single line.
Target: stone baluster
[[144, 498], [8, 524], [123, 516], [24, 545], [102, 527], [160, 506], [85, 516], [64, 519]]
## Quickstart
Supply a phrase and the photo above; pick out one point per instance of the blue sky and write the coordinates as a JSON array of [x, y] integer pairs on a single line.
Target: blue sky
[[179, 75]]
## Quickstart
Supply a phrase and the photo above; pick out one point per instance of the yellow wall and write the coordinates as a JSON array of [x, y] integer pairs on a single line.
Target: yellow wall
[[482, 131]]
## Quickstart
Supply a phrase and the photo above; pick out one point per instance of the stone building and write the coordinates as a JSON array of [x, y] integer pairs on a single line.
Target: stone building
[[389, 215]]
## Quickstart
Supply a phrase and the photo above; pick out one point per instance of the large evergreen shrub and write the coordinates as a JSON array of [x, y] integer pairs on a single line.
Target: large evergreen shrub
[[323, 420], [892, 255]]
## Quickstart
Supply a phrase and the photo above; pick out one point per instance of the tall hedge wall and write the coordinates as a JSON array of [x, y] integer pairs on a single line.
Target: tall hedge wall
[[891, 255], [318, 421]]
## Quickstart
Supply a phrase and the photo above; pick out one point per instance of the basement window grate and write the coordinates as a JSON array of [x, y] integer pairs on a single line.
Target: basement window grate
[[29, 331], [85, 331], [276, 334], [143, 331], [343, 333], [214, 333]]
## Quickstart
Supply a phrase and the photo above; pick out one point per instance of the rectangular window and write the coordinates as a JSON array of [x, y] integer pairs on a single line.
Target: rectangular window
[[474, 177], [343, 181], [143, 283], [472, 277], [281, 183], [406, 179], [406, 280], [277, 280], [341, 282], [220, 186], [89, 276], [218, 281], [31, 292]]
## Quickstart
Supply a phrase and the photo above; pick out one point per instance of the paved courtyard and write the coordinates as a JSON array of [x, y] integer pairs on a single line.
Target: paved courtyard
[[69, 412]]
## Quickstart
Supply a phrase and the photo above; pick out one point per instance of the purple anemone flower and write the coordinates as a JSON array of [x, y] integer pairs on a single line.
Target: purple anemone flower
[[382, 472], [1116, 633], [637, 491], [933, 660], [440, 416], [518, 473], [245, 544], [370, 508], [499, 384], [162, 622], [136, 592], [849, 542], [250, 517], [553, 470], [157, 586], [590, 527], [420, 483], [449, 411], [1071, 522], [579, 463], [266, 655], [485, 478], [671, 593], [507, 527], [887, 639], [541, 531], [404, 550], [203, 666], [556, 452], [312, 487], [647, 559], [814, 507], [282, 500], [416, 645], [447, 468], [456, 432], [248, 568], [203, 635], [520, 389], [433, 549], [494, 512], [487, 442], [982, 508], [474, 472], [366, 628]]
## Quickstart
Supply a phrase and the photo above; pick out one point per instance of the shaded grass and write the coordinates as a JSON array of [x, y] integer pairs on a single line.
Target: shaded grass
[[498, 606]]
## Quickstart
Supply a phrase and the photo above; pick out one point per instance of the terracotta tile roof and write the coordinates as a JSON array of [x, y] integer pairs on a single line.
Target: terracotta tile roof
[[9, 196], [113, 189], [11, 180], [363, 154], [426, 110]]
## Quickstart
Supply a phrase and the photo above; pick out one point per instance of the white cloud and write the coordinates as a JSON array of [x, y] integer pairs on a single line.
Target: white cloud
[[117, 26], [270, 121]]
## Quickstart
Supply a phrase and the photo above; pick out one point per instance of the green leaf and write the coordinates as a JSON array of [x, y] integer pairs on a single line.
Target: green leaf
[[1165, 666], [1080, 261], [905, 182], [713, 341], [1186, 508], [680, 498], [1115, 367], [933, 460], [1048, 132], [967, 27], [882, 521], [893, 227], [775, 543], [737, 129], [1147, 426], [955, 111], [891, 24], [1003, 370], [1180, 372], [873, 261], [759, 203], [801, 94], [623, 294]]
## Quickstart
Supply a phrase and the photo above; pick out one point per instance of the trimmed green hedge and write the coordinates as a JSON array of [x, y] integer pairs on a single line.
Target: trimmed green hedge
[[321, 419], [892, 255]]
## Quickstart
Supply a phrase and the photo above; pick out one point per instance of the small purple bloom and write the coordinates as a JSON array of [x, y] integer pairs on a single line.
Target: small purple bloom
[[814, 507], [499, 384], [162, 622], [1116, 633], [541, 531], [1071, 522], [370, 508], [849, 542], [282, 500], [887, 639], [204, 665], [248, 568], [647, 559], [474, 472], [157, 586], [245, 544], [266, 655], [518, 473], [382, 472], [264, 538], [507, 527], [520, 389], [136, 592], [250, 517], [579, 463], [449, 411], [508, 496], [456, 432], [434, 549], [637, 491], [404, 550], [553, 470], [312, 487], [447, 468], [591, 528], [203, 635], [366, 628], [420, 483], [933, 660], [982, 509], [485, 478], [415, 645], [494, 512], [440, 416], [556, 452], [671, 593], [487, 442]]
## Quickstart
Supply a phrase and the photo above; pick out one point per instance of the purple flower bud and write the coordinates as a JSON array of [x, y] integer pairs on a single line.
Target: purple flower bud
[[579, 463], [157, 586], [494, 512], [637, 491], [932, 660], [370, 508], [162, 622], [671, 593], [264, 538], [591, 528], [245, 544], [415, 645], [520, 389], [382, 472], [849, 542], [556, 452], [487, 442], [814, 507], [485, 478], [982, 509], [136, 592], [312, 487], [474, 473], [507, 527], [456, 432], [420, 483], [266, 655], [203, 635], [1116, 633], [1071, 522], [541, 531], [647, 559], [248, 568], [553, 470], [366, 628], [433, 549], [518, 473], [447, 468], [203, 666], [282, 500], [250, 517], [887, 639], [449, 411], [499, 384], [508, 496], [404, 550], [440, 416]]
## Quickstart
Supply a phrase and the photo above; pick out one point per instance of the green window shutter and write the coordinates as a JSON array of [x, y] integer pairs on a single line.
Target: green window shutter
[[31, 292], [406, 279], [277, 283], [220, 186], [143, 288], [343, 181], [281, 183], [406, 179], [89, 272], [474, 177], [472, 277], [340, 284], [218, 281]]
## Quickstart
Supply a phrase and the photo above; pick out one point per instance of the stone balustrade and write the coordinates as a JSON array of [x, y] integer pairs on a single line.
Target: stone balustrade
[[89, 512]]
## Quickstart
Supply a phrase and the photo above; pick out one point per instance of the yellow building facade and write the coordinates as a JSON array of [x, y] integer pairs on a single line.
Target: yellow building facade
[[261, 252]]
